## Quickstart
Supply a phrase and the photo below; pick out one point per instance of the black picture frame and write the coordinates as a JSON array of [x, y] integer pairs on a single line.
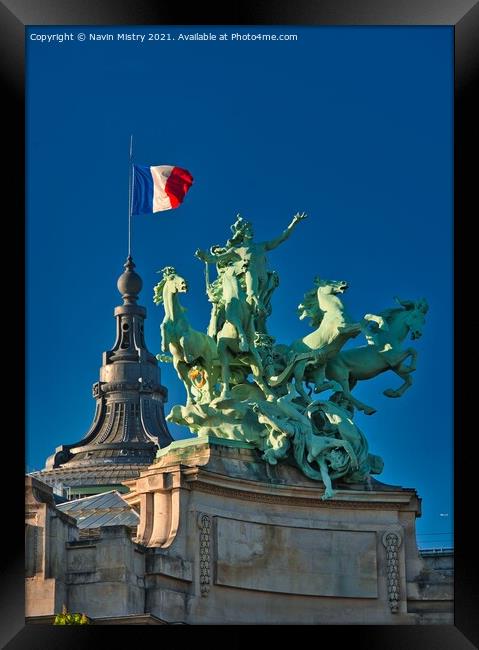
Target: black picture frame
[[463, 15]]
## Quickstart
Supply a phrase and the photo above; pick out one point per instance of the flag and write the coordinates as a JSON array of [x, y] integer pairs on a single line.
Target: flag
[[159, 188]]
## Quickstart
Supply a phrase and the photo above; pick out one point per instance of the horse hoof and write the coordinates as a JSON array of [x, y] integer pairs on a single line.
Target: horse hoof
[[369, 411], [389, 392]]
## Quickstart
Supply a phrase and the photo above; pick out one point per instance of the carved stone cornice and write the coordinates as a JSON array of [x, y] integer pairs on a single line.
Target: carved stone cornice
[[303, 501], [231, 472]]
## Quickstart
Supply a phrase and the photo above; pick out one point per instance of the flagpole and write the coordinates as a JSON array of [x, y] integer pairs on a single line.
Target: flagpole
[[130, 193]]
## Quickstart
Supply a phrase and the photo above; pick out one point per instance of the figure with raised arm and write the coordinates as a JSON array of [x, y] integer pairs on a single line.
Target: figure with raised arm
[[249, 259]]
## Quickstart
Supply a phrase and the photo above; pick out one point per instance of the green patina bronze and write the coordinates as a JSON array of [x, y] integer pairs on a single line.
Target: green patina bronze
[[244, 388]]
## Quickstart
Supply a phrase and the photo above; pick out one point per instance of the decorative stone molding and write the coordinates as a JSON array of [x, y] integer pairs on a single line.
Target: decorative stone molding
[[146, 385], [204, 524], [392, 541], [203, 486], [119, 386]]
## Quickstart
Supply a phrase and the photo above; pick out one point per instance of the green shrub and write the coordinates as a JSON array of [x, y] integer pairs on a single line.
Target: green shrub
[[66, 618]]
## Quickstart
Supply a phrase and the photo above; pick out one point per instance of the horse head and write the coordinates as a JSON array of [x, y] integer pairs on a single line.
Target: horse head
[[311, 308], [409, 317], [170, 280], [330, 286], [416, 318]]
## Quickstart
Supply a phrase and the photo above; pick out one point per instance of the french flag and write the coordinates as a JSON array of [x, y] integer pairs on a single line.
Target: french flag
[[159, 188]]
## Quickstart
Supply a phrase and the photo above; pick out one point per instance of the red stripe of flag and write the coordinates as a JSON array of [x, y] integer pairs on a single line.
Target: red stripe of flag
[[178, 183]]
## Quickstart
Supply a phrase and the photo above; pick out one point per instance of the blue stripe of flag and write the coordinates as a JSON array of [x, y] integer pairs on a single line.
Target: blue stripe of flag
[[142, 190]]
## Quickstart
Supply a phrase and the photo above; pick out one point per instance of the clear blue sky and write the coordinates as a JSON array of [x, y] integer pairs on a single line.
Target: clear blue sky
[[351, 125]]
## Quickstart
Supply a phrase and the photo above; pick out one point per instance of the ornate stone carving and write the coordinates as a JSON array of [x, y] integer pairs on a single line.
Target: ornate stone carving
[[392, 541], [204, 524]]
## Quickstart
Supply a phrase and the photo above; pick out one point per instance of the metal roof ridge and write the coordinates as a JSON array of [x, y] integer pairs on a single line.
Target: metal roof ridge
[[92, 496]]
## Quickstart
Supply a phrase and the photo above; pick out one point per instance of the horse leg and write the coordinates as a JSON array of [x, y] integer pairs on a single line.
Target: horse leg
[[410, 352], [224, 357], [233, 316], [298, 374], [318, 378], [210, 355], [164, 342], [404, 373], [396, 358], [211, 375], [243, 339], [367, 410], [182, 370], [188, 351], [340, 373]]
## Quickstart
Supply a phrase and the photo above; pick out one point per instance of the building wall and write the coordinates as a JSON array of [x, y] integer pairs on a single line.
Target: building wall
[[47, 534], [218, 549]]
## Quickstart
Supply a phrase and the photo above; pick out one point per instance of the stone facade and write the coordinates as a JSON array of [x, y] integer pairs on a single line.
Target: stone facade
[[225, 538], [47, 535]]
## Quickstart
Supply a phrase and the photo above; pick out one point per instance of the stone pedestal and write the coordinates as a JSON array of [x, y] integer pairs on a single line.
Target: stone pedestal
[[234, 540]]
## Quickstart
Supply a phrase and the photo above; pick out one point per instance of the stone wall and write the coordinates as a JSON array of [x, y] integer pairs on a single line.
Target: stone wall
[[431, 592], [235, 541]]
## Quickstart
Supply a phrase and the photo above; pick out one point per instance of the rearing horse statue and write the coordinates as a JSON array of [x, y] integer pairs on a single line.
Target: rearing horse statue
[[190, 349], [333, 328], [383, 351]]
